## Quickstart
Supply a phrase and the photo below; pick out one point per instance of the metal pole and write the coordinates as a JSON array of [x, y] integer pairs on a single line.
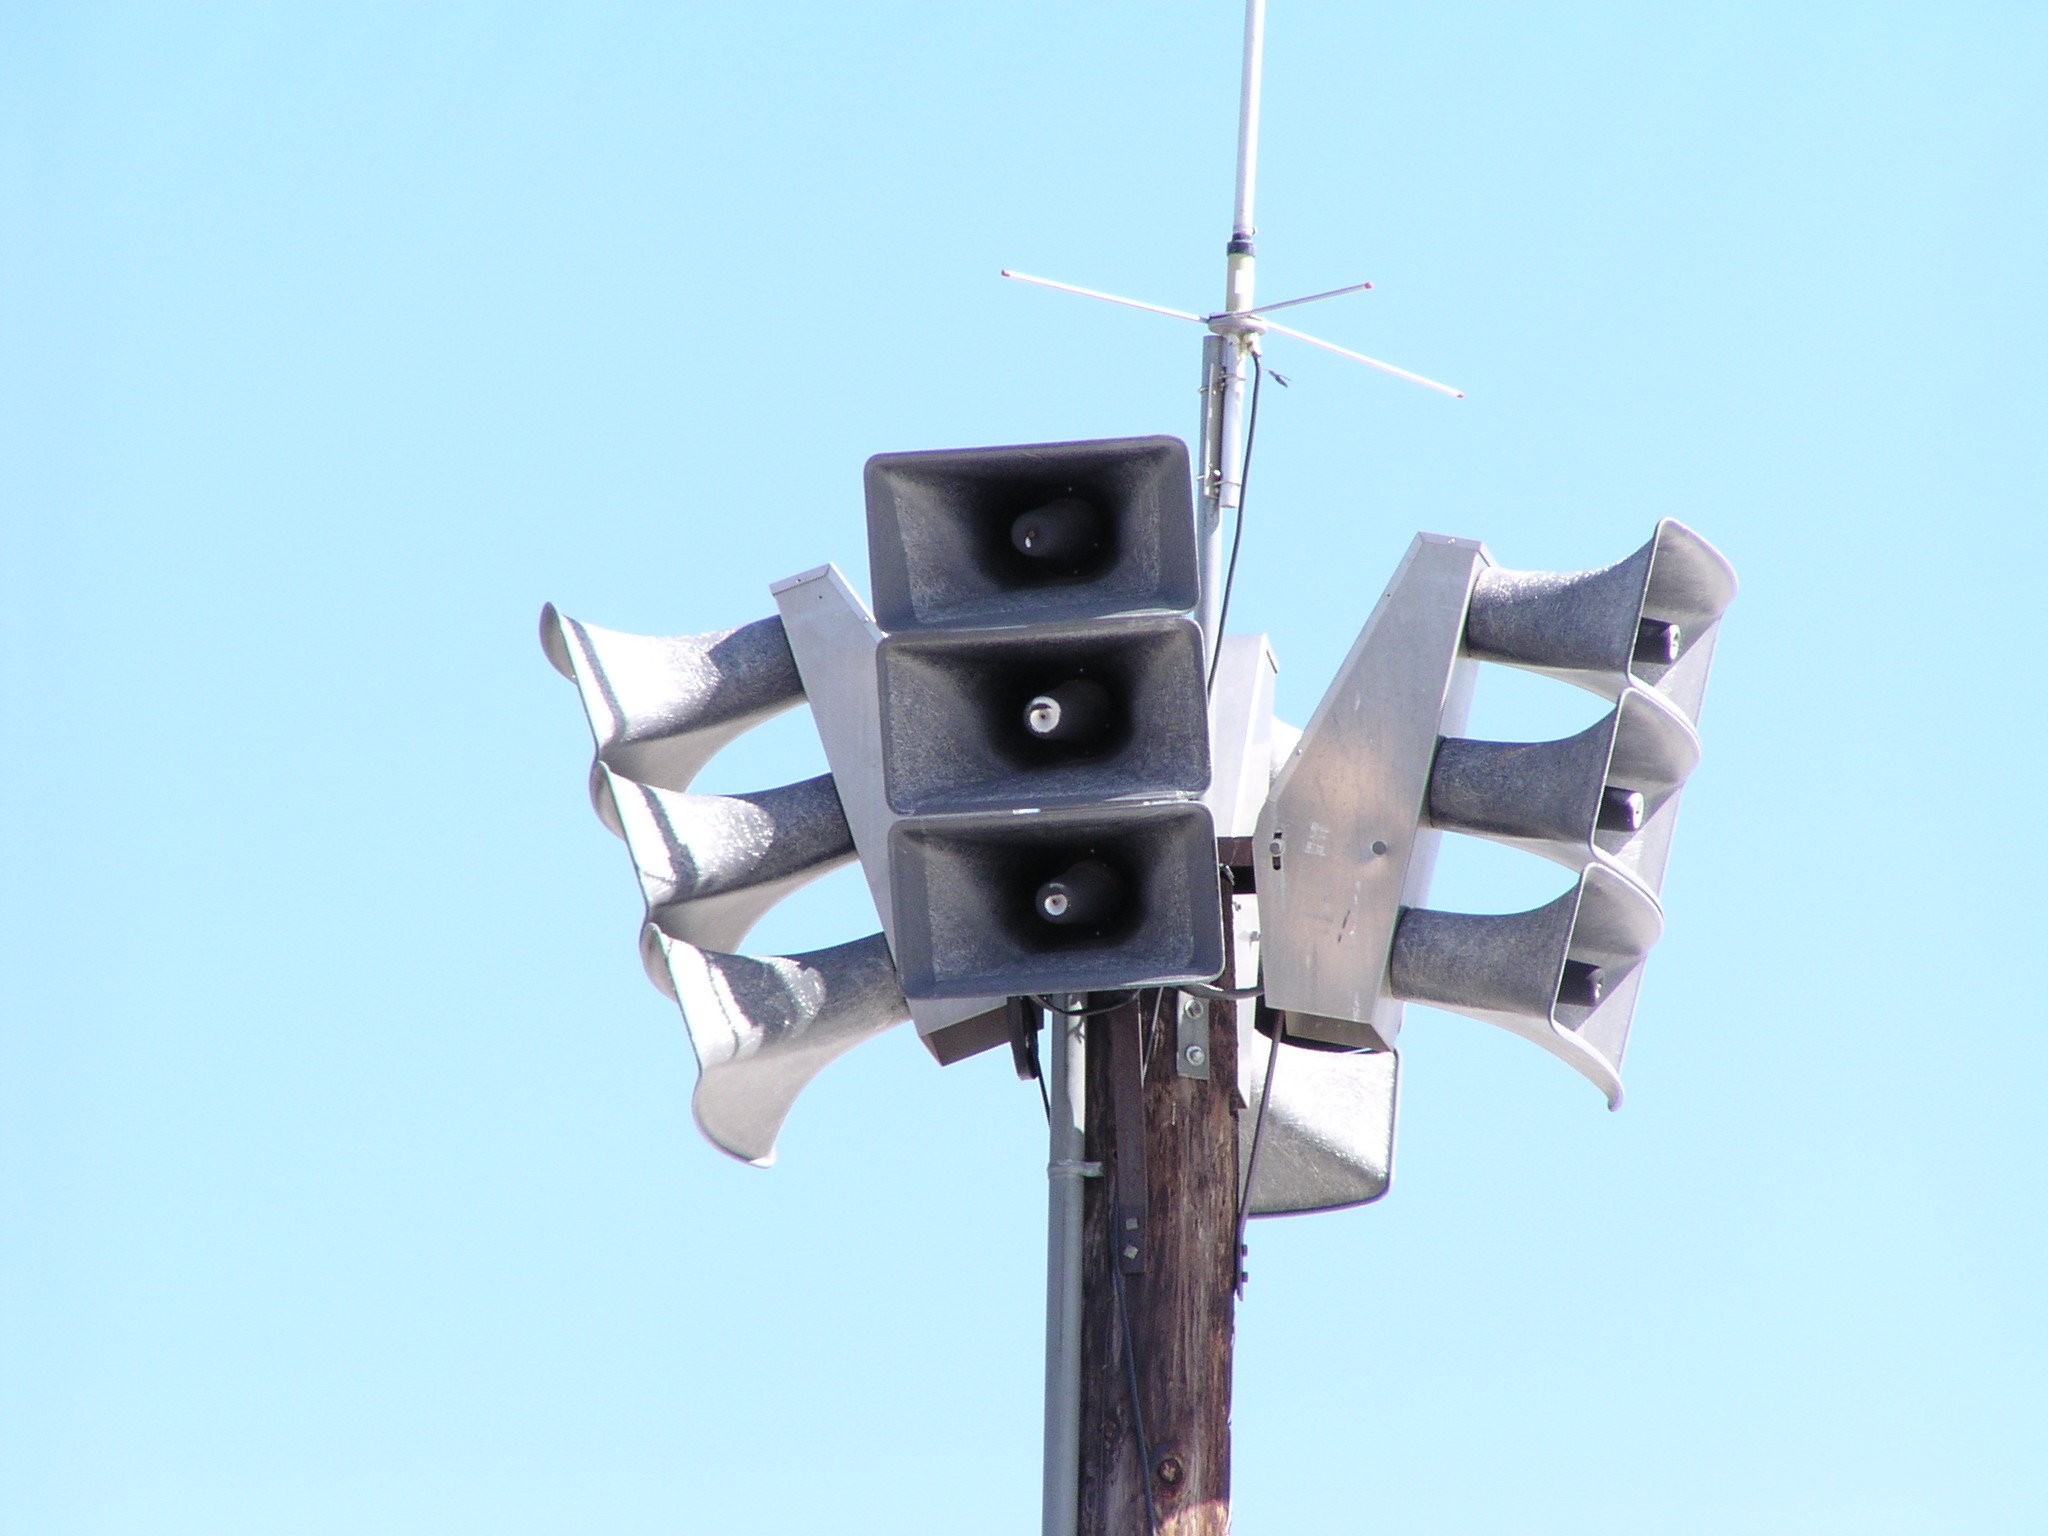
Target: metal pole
[[1226, 361], [1066, 1089]]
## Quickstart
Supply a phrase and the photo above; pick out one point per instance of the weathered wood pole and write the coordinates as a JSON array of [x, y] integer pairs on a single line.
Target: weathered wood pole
[[1181, 1303]]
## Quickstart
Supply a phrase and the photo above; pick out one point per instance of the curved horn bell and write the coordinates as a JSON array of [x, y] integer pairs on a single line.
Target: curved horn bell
[[764, 1026], [1349, 833], [660, 707], [1609, 793], [711, 865], [1563, 975], [1649, 618]]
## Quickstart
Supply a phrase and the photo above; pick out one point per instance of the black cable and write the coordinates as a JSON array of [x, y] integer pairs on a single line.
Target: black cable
[[1251, 1163], [1123, 1312], [1244, 475]]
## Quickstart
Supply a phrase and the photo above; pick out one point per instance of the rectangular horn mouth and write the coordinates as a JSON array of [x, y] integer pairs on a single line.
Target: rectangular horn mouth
[[987, 719], [947, 549], [1078, 900]]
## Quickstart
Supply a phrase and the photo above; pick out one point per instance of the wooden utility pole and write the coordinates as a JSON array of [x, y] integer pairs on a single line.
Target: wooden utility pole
[[1165, 1318]]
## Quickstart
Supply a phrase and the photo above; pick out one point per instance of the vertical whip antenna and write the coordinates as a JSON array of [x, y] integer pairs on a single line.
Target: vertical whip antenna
[[1227, 351], [1230, 352], [1248, 117]]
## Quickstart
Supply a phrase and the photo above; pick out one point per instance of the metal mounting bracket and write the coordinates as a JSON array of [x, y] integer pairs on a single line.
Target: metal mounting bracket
[[1191, 1035]]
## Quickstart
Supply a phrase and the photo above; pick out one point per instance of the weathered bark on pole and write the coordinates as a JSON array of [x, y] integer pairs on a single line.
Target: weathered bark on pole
[[1182, 1304]]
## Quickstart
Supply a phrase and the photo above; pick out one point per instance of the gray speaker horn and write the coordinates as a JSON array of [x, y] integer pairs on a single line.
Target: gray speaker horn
[[1609, 793], [763, 1027], [661, 707], [977, 720], [1650, 618], [971, 896], [710, 866], [1564, 975], [952, 542]]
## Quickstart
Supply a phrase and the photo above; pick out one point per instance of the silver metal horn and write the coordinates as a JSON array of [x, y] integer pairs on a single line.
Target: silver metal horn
[[660, 707], [1609, 793], [764, 1026], [1650, 618], [1564, 975], [711, 865]]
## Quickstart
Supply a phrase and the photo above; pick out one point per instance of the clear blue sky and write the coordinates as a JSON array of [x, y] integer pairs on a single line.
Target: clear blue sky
[[347, 1180]]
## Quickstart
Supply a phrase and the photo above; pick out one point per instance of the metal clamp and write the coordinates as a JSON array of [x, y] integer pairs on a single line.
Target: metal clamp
[[1191, 1036]]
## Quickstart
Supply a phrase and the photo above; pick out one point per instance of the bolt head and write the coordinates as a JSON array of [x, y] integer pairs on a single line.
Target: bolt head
[[1195, 1055]]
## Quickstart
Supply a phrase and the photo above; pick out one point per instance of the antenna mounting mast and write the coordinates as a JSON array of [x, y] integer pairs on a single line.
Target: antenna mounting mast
[[1230, 352], [1230, 364]]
